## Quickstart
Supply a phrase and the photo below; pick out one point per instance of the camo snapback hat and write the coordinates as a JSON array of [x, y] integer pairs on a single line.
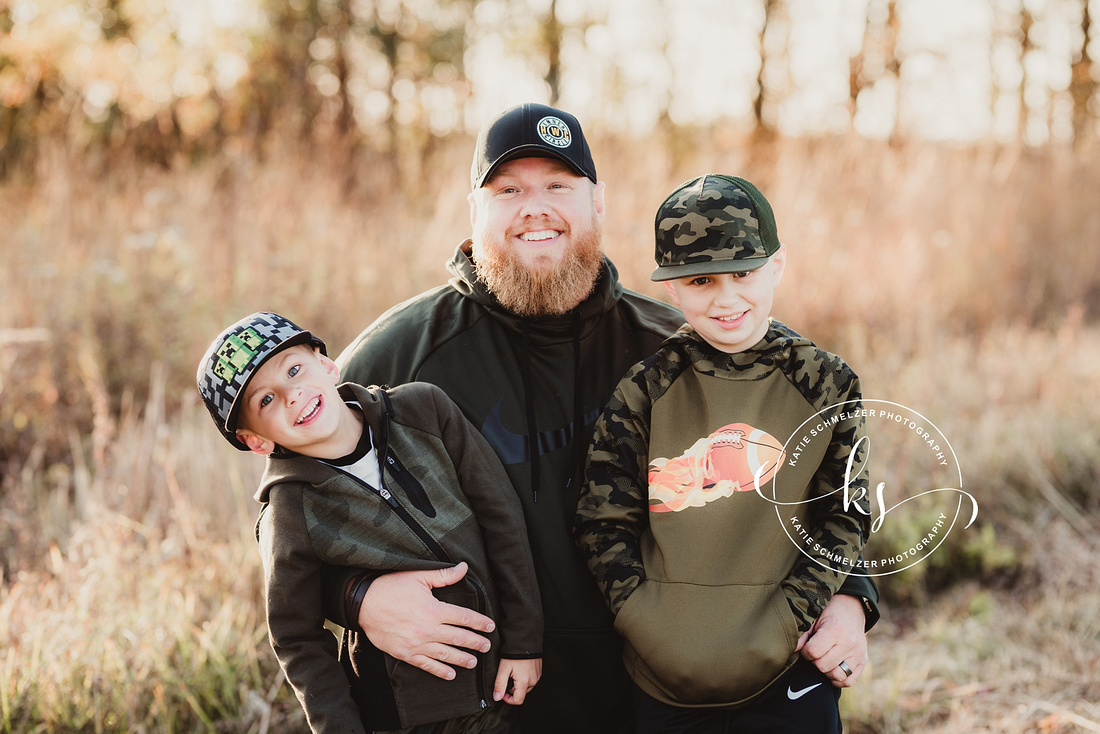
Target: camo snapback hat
[[713, 224]]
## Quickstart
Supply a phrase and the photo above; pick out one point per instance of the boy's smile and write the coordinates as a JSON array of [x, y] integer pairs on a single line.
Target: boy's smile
[[314, 409]]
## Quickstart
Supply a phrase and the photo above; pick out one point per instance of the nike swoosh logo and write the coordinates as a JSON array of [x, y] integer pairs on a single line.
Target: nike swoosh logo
[[511, 448], [795, 695]]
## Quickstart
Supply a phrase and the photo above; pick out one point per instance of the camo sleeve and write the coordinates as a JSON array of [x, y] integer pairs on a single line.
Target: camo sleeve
[[612, 510], [839, 521]]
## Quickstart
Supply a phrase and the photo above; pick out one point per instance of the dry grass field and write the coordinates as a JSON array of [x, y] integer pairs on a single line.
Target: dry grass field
[[963, 281]]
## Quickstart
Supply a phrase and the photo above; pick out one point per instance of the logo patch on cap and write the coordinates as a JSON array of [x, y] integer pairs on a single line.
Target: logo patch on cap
[[236, 353], [555, 132]]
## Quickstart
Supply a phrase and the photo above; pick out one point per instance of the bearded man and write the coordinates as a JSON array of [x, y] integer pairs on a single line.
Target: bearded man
[[529, 337]]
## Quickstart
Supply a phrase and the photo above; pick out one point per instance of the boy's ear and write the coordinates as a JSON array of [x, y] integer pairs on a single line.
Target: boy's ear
[[778, 263], [672, 292], [256, 444], [330, 367]]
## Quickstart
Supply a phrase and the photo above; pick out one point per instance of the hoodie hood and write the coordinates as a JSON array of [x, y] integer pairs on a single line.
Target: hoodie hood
[[762, 358]]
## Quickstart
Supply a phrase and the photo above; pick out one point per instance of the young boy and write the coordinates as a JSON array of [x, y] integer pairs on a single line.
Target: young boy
[[711, 579], [385, 480]]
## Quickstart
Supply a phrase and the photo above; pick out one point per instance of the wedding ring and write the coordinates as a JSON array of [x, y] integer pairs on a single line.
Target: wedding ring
[[844, 666]]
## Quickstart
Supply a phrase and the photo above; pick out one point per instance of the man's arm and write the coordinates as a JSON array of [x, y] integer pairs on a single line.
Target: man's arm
[[401, 617], [865, 591], [343, 588], [837, 637], [397, 611]]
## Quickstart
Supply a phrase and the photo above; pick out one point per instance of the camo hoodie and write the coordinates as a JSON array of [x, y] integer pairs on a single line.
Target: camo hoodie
[[708, 591], [444, 498]]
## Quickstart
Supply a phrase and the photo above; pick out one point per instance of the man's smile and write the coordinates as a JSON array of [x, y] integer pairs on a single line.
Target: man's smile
[[539, 235]]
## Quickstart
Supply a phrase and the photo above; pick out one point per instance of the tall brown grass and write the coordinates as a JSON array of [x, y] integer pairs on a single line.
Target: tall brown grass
[[960, 280]]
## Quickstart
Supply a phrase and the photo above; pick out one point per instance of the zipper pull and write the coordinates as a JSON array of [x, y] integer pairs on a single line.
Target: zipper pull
[[385, 494]]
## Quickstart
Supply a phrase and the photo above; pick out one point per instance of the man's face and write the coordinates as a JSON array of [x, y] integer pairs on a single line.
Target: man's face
[[536, 234]]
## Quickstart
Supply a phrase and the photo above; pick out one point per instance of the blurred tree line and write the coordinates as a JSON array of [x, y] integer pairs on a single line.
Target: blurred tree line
[[165, 81]]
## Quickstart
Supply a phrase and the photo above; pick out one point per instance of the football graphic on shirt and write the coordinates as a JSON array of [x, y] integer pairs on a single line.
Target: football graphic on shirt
[[724, 462]]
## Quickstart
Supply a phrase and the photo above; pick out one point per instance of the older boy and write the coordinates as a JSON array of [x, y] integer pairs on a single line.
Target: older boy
[[678, 517], [383, 480]]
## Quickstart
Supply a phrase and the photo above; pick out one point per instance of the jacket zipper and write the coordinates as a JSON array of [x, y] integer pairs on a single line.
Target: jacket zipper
[[437, 550], [425, 537], [441, 555], [480, 667], [411, 485]]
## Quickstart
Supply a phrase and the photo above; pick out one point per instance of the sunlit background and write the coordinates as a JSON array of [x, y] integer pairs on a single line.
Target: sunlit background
[[168, 166], [935, 69]]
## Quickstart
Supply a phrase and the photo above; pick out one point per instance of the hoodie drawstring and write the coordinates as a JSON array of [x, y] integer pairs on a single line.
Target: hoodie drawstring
[[383, 446], [529, 407], [579, 450], [575, 430]]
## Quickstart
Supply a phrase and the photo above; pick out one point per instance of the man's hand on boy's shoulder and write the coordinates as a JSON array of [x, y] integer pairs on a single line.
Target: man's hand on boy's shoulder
[[837, 643], [402, 618]]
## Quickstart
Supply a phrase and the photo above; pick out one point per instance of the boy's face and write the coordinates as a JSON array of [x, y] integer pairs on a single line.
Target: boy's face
[[730, 310], [292, 401]]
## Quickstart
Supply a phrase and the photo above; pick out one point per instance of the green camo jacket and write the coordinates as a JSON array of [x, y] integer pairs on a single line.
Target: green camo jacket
[[444, 498], [711, 581]]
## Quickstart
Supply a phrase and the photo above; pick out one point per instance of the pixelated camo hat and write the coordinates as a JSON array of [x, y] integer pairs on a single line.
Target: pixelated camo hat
[[713, 224], [233, 359]]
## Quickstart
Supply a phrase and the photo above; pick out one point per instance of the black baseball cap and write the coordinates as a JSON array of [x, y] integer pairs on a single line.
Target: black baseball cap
[[531, 130]]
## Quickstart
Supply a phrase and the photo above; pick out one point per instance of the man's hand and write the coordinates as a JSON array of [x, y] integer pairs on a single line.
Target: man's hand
[[838, 637], [401, 617], [524, 674]]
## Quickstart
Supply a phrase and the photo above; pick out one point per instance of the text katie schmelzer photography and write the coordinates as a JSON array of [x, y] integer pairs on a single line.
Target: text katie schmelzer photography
[[913, 486]]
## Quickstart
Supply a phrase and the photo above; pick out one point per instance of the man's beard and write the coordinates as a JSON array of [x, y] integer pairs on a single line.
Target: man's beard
[[544, 291]]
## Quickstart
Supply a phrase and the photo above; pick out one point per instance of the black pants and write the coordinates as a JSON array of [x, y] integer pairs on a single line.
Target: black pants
[[498, 718], [803, 701]]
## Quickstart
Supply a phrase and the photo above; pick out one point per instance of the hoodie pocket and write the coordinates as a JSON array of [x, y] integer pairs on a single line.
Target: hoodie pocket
[[422, 698], [707, 644]]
